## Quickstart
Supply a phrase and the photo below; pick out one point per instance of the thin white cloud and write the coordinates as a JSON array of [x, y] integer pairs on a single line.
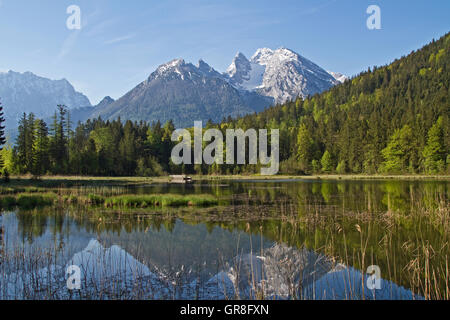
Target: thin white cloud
[[68, 44], [120, 39], [71, 39]]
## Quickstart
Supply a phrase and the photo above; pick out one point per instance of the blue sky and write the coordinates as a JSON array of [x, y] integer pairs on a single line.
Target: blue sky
[[122, 42]]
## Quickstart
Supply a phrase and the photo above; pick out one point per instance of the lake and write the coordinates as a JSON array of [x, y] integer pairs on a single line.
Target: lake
[[278, 239]]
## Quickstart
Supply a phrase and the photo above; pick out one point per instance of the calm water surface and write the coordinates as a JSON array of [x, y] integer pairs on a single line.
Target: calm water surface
[[277, 238]]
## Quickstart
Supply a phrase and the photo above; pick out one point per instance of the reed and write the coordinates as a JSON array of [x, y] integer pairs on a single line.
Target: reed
[[28, 201], [160, 200]]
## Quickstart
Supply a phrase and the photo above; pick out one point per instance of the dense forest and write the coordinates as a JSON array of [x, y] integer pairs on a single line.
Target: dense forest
[[391, 119]]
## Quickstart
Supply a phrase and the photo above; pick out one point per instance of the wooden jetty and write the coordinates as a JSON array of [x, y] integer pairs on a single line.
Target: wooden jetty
[[181, 179]]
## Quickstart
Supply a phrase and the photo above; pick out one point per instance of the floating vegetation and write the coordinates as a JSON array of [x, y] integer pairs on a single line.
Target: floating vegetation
[[10, 190], [30, 201], [161, 200]]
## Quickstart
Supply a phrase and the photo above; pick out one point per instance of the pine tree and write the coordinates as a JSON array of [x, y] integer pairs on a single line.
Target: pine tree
[[398, 151], [40, 149], [304, 148], [327, 162], [59, 143], [25, 142], [4, 171], [2, 134], [434, 153]]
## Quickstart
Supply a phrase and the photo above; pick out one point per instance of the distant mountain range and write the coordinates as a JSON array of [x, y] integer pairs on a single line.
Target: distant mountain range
[[27, 92], [182, 92], [185, 92], [178, 90]]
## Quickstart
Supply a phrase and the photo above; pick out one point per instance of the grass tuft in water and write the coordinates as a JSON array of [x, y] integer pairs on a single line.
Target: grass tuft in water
[[165, 200], [28, 201]]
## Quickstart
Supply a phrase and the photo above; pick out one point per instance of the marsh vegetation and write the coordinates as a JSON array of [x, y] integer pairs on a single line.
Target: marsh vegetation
[[300, 234]]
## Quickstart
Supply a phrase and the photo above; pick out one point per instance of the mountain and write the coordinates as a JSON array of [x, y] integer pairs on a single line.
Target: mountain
[[184, 93], [281, 74], [27, 92], [338, 76], [106, 101], [177, 91], [84, 113]]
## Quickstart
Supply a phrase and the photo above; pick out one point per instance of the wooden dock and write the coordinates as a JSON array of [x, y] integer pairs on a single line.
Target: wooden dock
[[180, 179]]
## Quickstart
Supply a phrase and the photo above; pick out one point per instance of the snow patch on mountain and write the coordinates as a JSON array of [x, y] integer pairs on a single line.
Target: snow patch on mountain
[[281, 74], [178, 68], [245, 74], [170, 66], [339, 76]]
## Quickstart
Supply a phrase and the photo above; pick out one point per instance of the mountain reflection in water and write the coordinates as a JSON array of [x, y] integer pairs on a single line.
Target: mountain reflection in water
[[271, 271], [268, 239]]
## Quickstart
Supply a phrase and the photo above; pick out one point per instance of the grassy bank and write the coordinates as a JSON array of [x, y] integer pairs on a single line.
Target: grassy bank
[[25, 182], [78, 181], [326, 177]]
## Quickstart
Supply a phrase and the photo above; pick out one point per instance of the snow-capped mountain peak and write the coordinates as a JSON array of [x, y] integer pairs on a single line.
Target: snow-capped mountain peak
[[240, 63], [178, 68], [281, 74], [339, 76], [183, 92], [244, 74], [262, 56], [170, 66]]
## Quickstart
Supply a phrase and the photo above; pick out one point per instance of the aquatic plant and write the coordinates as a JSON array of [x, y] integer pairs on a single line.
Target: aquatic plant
[[28, 201], [163, 200]]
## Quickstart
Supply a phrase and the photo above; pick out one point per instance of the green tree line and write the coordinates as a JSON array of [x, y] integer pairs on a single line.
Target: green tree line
[[391, 119], [110, 148]]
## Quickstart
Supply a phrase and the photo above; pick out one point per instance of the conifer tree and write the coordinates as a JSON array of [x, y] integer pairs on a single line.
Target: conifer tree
[[2, 136], [434, 153], [304, 148], [326, 162], [40, 149]]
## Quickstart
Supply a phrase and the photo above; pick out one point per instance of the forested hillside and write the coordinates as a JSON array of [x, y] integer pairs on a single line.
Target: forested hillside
[[391, 119]]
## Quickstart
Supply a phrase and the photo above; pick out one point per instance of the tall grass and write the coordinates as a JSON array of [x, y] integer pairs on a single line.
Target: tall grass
[[28, 201], [162, 200]]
